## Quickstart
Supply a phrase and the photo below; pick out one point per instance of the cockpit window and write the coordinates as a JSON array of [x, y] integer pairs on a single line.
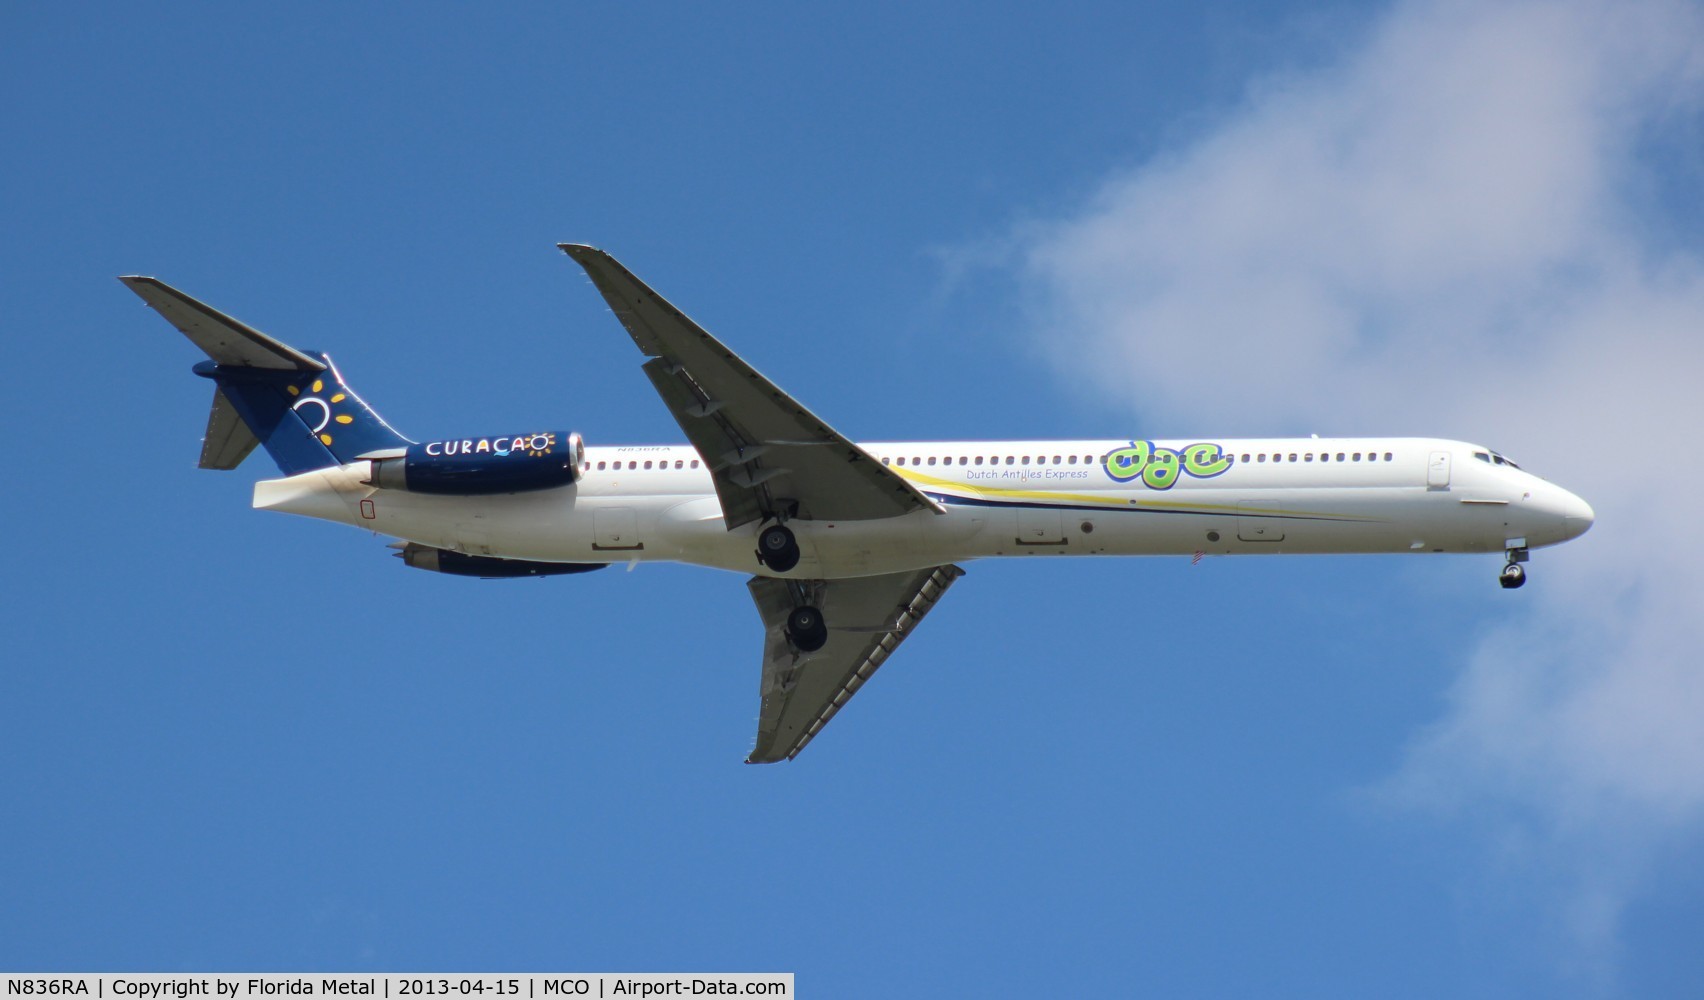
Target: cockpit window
[[1483, 457]]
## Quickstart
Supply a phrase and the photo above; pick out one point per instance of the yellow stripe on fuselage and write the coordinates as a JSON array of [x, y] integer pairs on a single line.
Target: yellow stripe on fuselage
[[1099, 501]]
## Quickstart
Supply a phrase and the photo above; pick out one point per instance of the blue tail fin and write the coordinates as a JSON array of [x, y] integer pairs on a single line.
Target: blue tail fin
[[293, 403], [304, 420]]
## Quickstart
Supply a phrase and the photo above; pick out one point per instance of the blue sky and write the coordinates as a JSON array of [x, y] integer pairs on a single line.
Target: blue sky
[[234, 740]]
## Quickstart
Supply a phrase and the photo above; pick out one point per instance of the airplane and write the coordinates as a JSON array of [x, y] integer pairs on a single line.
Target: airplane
[[848, 545]]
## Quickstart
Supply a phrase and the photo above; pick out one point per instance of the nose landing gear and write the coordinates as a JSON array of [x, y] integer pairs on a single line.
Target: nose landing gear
[[1513, 575]]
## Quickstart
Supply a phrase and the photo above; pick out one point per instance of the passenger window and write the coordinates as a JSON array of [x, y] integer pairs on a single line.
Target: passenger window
[[1245, 458], [1292, 456], [695, 463], [1057, 460], [647, 465], [931, 460], [1388, 456], [600, 466], [979, 460], [1260, 457], [1011, 459], [1072, 460]]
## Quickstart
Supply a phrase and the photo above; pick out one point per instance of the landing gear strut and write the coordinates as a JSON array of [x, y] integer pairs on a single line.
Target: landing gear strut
[[777, 548], [1513, 575], [807, 629]]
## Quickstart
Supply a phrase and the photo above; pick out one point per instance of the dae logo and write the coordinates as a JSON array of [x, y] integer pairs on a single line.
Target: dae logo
[[324, 407], [1159, 468]]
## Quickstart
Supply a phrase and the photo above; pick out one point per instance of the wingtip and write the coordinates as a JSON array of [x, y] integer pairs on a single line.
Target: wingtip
[[575, 249]]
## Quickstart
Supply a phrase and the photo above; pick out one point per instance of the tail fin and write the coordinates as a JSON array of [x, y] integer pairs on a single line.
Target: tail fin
[[295, 403]]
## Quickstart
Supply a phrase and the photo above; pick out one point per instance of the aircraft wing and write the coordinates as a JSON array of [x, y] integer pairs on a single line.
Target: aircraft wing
[[768, 454], [868, 618]]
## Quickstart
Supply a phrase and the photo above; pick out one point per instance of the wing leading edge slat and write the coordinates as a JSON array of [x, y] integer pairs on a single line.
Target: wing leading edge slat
[[868, 617]]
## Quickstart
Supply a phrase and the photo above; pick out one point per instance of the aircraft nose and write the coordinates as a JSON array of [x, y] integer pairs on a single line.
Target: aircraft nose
[[1577, 516]]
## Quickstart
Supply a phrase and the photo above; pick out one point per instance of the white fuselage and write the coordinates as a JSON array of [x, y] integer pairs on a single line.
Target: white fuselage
[[1008, 498]]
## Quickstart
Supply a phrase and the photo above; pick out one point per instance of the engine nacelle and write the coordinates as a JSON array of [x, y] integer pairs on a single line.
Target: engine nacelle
[[476, 466], [486, 567]]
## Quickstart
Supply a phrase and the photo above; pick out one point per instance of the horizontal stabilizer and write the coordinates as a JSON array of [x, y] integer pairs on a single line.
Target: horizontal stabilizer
[[228, 440], [228, 341]]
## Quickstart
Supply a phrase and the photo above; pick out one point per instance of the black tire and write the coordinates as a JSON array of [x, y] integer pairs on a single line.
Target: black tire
[[1512, 576], [775, 538], [777, 548], [807, 629]]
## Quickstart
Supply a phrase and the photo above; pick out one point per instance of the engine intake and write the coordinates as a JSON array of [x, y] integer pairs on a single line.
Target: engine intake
[[478, 466]]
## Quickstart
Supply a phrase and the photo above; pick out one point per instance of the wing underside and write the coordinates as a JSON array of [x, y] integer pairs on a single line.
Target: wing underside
[[868, 618], [771, 458]]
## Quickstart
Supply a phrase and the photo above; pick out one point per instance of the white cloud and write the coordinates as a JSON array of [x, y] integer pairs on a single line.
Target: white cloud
[[1442, 234]]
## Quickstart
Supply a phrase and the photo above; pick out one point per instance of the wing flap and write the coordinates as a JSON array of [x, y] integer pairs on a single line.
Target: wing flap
[[786, 459], [867, 617]]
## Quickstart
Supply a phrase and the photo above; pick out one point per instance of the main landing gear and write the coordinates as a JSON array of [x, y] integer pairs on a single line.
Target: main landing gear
[[1513, 575], [777, 548], [806, 628]]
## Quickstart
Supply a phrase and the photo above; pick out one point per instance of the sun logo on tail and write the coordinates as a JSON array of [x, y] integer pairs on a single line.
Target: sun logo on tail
[[317, 413]]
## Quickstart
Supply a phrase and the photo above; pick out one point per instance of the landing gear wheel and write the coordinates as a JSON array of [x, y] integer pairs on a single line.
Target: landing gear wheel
[[807, 629], [1512, 576], [777, 548]]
